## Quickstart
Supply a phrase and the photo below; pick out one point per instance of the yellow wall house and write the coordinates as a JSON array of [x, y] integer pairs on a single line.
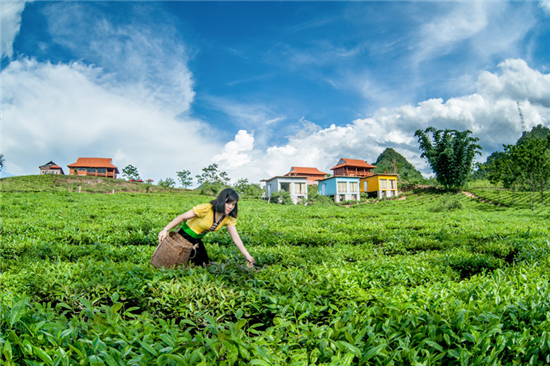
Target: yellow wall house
[[380, 185]]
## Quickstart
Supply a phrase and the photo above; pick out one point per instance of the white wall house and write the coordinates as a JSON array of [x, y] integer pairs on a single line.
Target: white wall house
[[296, 186]]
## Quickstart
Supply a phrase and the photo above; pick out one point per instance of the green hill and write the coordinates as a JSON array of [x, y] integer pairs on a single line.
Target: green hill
[[72, 183], [390, 160]]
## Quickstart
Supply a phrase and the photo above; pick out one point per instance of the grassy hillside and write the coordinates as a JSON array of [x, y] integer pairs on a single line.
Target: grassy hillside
[[72, 183]]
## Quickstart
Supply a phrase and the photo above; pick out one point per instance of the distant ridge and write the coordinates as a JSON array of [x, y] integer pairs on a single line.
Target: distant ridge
[[390, 160]]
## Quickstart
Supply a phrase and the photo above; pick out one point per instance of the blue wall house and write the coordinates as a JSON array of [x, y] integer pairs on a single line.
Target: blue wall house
[[296, 186], [340, 188]]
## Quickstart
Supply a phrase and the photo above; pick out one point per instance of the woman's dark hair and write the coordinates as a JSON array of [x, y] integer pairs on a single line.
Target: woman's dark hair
[[227, 195]]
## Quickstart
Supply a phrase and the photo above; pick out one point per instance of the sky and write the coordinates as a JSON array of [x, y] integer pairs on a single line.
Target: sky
[[260, 87]]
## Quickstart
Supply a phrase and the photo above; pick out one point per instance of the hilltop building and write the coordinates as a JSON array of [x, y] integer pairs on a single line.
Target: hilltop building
[[51, 168], [295, 186], [380, 185], [97, 167], [312, 174], [341, 188], [352, 168]]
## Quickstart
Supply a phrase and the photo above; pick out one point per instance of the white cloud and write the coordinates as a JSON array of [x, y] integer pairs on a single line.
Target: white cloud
[[10, 19], [517, 82], [442, 34], [491, 114], [275, 120], [60, 112], [545, 5], [235, 153], [146, 57]]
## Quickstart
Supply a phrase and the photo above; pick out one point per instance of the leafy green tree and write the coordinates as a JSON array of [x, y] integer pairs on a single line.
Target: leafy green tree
[[248, 190], [130, 172], [526, 164], [537, 132], [1, 162], [167, 183], [483, 170], [185, 178], [450, 154], [211, 175]]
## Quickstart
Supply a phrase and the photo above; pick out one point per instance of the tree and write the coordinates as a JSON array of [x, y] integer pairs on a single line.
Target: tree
[[185, 178], [450, 155], [248, 190], [211, 175], [167, 183], [1, 162], [525, 165], [130, 172]]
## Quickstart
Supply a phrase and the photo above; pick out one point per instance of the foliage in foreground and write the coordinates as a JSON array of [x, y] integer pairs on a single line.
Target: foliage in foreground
[[386, 283]]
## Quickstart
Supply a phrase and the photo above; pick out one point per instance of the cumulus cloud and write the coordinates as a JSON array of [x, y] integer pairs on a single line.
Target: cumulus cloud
[[545, 5], [146, 57], [491, 113], [59, 111], [10, 19]]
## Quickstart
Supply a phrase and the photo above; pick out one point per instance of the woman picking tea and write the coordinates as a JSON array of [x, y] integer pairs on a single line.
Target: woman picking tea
[[207, 217]]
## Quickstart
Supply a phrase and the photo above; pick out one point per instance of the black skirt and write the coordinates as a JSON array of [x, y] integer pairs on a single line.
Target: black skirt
[[200, 257]]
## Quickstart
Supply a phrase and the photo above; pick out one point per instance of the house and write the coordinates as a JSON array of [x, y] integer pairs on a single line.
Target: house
[[51, 168], [296, 186], [340, 188], [380, 185], [352, 168], [97, 167], [312, 174]]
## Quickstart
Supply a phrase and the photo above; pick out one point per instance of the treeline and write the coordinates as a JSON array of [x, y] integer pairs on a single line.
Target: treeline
[[524, 166]]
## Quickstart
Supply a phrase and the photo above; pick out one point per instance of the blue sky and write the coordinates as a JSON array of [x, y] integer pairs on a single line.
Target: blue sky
[[258, 87]]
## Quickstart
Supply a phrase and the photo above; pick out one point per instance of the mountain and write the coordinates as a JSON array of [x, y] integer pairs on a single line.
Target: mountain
[[390, 160]]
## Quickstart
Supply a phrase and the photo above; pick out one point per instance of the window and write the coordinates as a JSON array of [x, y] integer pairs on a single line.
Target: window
[[383, 184], [91, 170], [393, 184], [285, 187], [342, 187], [300, 188], [102, 170], [354, 187], [365, 186], [80, 169]]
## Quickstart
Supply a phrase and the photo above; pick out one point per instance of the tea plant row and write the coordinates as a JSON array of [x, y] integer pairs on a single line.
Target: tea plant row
[[392, 283]]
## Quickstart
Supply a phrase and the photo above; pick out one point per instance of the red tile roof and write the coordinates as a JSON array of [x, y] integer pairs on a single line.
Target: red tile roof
[[354, 163], [93, 163], [304, 170]]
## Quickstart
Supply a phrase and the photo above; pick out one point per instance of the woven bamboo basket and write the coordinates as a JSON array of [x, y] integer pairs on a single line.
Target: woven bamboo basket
[[174, 250]]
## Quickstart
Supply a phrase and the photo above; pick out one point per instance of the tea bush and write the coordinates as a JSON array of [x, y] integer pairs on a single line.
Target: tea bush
[[381, 283]]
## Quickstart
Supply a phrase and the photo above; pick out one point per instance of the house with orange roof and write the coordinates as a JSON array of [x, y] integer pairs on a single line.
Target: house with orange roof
[[352, 168], [312, 174], [97, 167], [51, 168]]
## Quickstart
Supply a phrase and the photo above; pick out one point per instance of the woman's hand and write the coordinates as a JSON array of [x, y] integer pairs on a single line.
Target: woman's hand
[[251, 262], [162, 235]]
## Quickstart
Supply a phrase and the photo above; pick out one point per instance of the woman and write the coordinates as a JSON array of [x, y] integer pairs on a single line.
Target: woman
[[207, 217]]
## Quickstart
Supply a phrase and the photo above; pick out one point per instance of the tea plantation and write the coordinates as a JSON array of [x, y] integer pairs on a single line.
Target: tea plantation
[[431, 280]]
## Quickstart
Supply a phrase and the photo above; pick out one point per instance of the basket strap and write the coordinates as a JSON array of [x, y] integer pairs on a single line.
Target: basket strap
[[195, 249]]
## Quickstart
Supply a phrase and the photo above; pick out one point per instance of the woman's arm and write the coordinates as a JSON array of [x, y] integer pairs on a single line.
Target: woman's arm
[[177, 221], [239, 244]]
